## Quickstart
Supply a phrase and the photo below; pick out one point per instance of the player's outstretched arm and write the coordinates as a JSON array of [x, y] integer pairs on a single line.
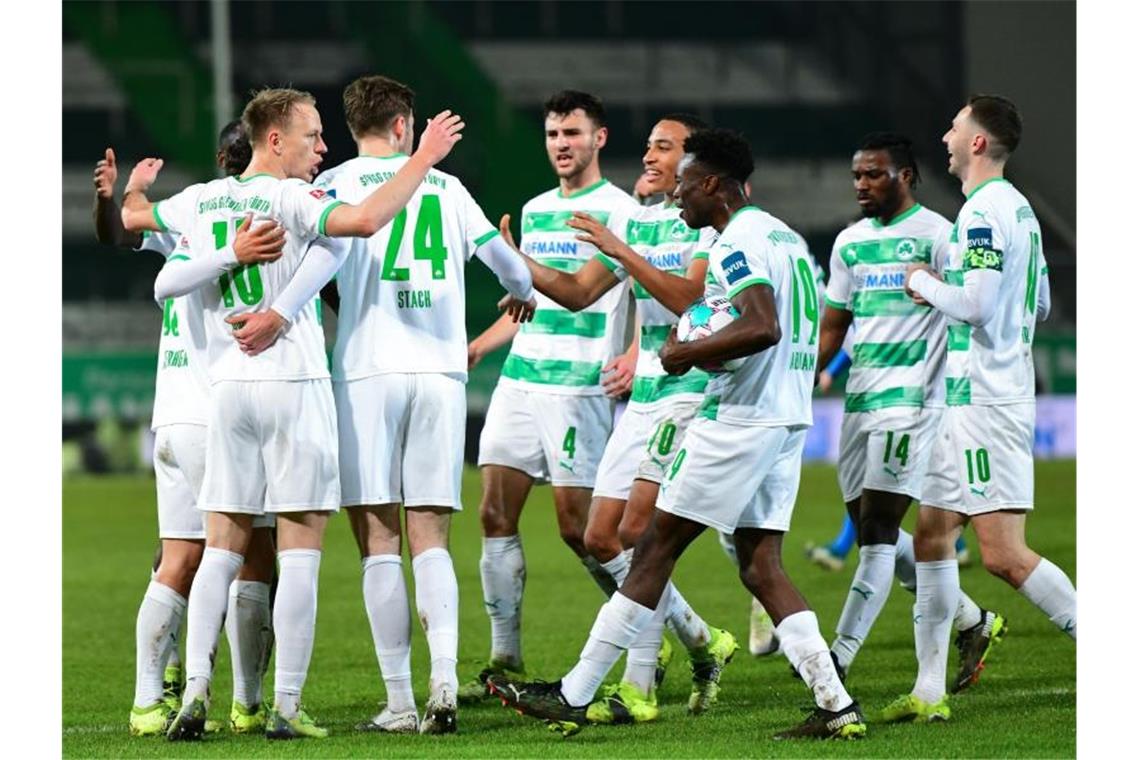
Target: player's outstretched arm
[[757, 328], [673, 292], [974, 302], [379, 208], [109, 228], [258, 331], [182, 275], [832, 332], [138, 211], [570, 291], [499, 334]]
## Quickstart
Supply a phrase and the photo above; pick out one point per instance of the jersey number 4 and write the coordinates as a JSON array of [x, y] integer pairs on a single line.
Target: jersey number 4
[[427, 242], [245, 279]]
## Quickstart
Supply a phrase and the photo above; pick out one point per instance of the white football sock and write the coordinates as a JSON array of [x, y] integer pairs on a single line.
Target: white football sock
[[174, 660], [689, 628], [249, 630], [209, 596], [156, 635], [437, 601], [933, 612], [869, 591], [503, 570], [806, 650], [1051, 591], [968, 613], [386, 601], [641, 659], [601, 577], [294, 625], [617, 625], [618, 567]]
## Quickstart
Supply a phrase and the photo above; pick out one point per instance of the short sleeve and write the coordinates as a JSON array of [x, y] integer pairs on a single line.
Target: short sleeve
[[176, 213], [839, 286], [705, 242], [985, 241], [477, 228], [163, 243], [304, 209], [743, 261]]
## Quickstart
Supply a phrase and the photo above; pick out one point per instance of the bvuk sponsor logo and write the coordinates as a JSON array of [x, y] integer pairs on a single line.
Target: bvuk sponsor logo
[[735, 267]]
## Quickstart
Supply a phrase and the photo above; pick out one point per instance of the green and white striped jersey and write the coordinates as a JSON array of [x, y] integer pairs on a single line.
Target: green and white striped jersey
[[897, 357], [772, 387], [562, 352], [661, 238], [991, 365]]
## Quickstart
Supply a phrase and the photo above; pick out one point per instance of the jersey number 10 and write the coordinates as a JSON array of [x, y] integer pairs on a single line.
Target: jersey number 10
[[245, 279]]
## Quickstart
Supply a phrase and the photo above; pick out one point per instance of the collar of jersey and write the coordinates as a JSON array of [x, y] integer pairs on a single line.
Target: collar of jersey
[[382, 158], [740, 210], [253, 176], [987, 182], [904, 215], [584, 190]]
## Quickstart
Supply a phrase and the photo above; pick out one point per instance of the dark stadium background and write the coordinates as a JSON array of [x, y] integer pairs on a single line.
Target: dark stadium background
[[803, 80]]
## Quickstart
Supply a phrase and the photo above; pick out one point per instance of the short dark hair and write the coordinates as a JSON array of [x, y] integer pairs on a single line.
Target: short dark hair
[[689, 120], [372, 103], [234, 149], [1000, 117], [272, 107], [725, 151], [562, 103], [898, 147]]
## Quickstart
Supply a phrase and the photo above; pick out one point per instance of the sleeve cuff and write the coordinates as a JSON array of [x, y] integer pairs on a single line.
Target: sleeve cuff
[[701, 255], [325, 216], [835, 304], [485, 237], [609, 263], [158, 219]]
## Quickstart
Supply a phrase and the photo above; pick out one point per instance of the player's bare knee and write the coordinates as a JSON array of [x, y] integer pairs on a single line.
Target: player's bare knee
[[599, 543], [495, 518], [630, 531], [874, 529]]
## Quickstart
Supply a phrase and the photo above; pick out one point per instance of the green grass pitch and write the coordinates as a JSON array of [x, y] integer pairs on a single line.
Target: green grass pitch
[[1024, 706]]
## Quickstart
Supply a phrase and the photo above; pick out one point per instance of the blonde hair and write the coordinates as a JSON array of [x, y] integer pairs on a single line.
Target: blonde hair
[[271, 107]]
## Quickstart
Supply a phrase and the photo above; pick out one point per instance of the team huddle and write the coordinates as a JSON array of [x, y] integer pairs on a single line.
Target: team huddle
[[260, 437]]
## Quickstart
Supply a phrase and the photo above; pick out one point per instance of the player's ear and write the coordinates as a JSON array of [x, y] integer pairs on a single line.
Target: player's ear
[[600, 136]]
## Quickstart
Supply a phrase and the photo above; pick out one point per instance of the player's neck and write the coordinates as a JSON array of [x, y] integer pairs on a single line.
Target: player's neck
[[588, 177], [979, 173], [261, 163], [375, 145], [723, 215], [906, 205]]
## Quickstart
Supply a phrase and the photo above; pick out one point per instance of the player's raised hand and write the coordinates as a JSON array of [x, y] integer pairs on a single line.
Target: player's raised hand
[[440, 136], [106, 174], [505, 231], [617, 377], [520, 311], [258, 245], [257, 331], [595, 233], [143, 175]]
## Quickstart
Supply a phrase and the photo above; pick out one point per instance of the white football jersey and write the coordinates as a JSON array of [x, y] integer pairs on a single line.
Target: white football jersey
[[899, 349], [661, 238], [402, 296], [562, 351], [181, 387], [772, 387], [989, 365], [209, 214]]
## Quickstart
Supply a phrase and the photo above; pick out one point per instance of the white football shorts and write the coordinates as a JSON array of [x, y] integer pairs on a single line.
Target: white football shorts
[[179, 464], [552, 438], [886, 450], [642, 446], [730, 476], [271, 447], [401, 439], [982, 460]]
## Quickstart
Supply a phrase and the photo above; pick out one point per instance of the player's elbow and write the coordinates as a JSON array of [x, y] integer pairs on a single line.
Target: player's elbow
[[132, 222], [767, 334]]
